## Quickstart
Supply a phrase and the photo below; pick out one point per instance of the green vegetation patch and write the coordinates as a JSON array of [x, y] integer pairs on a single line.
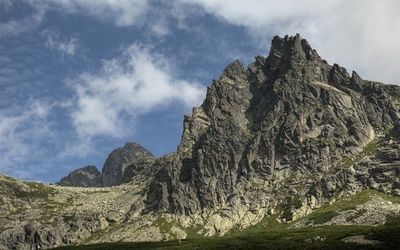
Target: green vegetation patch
[[368, 150], [164, 225], [35, 191], [392, 221], [268, 234], [96, 192], [69, 218], [291, 203], [321, 218], [350, 201], [326, 237], [358, 214]]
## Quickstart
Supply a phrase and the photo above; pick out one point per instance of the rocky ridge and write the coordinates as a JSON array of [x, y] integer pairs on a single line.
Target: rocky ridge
[[282, 138], [87, 176], [113, 170]]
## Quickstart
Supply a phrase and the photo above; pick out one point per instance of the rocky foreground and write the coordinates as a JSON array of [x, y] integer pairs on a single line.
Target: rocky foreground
[[38, 216], [281, 139]]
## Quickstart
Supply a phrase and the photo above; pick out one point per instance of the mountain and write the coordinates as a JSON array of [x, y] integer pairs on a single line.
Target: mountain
[[87, 176], [119, 159], [288, 142], [288, 129], [113, 170]]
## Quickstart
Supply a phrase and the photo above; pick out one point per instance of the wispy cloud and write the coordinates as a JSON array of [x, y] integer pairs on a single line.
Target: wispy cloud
[[22, 136], [104, 104], [122, 13], [30, 21], [66, 47], [135, 83]]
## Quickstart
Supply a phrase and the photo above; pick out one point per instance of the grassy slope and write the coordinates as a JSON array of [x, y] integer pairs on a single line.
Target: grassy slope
[[270, 235], [275, 239]]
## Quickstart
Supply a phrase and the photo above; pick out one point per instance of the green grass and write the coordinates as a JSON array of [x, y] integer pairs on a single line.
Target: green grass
[[269, 234], [69, 218], [273, 239], [96, 192], [321, 218], [356, 215], [392, 221], [368, 150], [351, 201]]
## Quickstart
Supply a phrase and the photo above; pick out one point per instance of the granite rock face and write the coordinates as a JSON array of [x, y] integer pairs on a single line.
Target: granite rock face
[[288, 128], [87, 176], [119, 159]]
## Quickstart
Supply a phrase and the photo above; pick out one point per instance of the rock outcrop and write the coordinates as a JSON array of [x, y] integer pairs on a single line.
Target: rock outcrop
[[88, 176]]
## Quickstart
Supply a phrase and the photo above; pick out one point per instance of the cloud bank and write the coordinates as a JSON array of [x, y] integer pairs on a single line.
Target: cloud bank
[[363, 35], [135, 83], [105, 103]]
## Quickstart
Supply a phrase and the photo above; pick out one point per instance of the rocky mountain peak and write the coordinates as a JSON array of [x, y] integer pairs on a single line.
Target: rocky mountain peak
[[113, 170], [290, 48], [119, 159], [235, 72], [88, 176], [293, 56], [289, 123]]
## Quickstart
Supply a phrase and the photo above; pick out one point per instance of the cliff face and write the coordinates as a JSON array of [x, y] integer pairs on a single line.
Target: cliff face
[[290, 125]]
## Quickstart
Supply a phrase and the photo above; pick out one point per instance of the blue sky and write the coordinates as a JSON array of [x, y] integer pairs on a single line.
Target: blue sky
[[79, 78]]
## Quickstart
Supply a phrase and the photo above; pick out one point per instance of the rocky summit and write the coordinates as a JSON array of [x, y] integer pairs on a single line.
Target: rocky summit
[[87, 176], [113, 171], [118, 161], [279, 139]]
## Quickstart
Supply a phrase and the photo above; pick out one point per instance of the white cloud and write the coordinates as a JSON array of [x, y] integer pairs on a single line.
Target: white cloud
[[29, 22], [122, 12], [366, 38], [135, 83], [22, 135], [359, 34], [67, 47]]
